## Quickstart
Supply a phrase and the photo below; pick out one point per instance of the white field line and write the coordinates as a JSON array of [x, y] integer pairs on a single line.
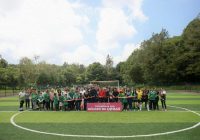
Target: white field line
[[9, 111], [101, 136]]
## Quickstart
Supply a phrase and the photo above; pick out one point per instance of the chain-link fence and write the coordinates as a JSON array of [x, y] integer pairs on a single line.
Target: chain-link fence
[[8, 91]]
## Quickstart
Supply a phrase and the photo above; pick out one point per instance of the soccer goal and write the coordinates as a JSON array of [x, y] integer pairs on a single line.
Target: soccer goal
[[106, 83]]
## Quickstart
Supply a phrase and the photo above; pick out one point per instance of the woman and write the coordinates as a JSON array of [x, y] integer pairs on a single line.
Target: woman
[[163, 99]]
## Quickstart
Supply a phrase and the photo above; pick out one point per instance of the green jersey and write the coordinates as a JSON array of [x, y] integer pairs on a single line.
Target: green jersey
[[61, 99], [55, 100], [34, 97], [65, 100], [76, 96], [46, 97], [152, 95], [40, 98], [123, 98], [71, 95]]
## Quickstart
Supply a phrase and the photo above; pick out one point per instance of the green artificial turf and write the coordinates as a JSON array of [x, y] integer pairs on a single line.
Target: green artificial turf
[[104, 123]]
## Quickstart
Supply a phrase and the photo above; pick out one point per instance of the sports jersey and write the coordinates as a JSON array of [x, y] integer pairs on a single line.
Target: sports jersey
[[46, 97], [139, 94]]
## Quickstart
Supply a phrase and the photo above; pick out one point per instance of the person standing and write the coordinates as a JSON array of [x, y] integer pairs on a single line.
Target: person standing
[[163, 99], [51, 98], [86, 99], [77, 99], [40, 101], [21, 100], [34, 98], [123, 99], [115, 95], [55, 102], [157, 99], [152, 98], [139, 98], [47, 100], [129, 99], [27, 99]]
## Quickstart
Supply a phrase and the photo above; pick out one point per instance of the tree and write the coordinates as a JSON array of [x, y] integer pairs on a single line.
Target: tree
[[109, 62], [3, 63], [95, 71], [27, 71]]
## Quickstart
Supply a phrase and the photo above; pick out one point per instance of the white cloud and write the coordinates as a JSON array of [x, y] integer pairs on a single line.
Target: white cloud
[[116, 24], [41, 27], [125, 53], [113, 27], [134, 7], [60, 30], [83, 55]]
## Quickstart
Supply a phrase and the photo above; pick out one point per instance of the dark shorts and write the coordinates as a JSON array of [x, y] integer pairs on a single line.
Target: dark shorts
[[139, 100]]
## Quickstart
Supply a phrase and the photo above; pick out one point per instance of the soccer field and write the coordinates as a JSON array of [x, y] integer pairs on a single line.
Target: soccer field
[[179, 122]]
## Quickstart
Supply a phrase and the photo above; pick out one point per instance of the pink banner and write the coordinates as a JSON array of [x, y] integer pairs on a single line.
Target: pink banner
[[104, 107]]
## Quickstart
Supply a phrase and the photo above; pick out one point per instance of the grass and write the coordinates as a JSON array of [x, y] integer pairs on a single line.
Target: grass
[[101, 123]]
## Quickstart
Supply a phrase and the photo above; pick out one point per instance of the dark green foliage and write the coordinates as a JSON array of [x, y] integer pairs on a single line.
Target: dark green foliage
[[163, 60]]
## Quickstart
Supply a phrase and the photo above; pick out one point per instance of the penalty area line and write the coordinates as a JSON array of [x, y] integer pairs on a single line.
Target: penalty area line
[[101, 136]]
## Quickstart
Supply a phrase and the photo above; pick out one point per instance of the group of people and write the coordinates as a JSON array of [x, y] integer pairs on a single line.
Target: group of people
[[67, 99]]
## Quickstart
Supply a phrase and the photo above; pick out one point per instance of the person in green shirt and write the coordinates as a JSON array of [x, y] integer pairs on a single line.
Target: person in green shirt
[[34, 98], [71, 99], [61, 101], [123, 99], [65, 104], [152, 98], [77, 100], [47, 100], [55, 102], [40, 101]]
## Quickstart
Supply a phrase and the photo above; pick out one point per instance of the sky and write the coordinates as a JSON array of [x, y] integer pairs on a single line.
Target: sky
[[86, 31]]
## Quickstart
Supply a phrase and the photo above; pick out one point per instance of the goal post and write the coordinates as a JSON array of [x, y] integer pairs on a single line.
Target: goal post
[[106, 82]]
